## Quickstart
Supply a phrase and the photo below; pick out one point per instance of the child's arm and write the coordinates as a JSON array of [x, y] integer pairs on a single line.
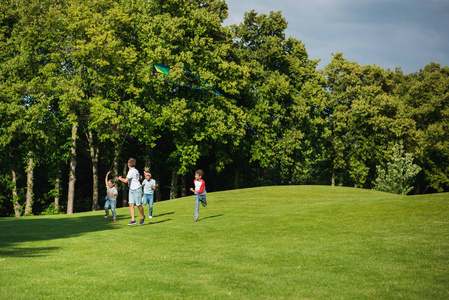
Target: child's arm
[[124, 180], [106, 179]]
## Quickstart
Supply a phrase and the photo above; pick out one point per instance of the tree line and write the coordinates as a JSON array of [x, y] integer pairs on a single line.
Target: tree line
[[79, 97]]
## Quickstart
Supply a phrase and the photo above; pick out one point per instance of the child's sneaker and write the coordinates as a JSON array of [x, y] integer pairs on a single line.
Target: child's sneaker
[[142, 220], [106, 216], [196, 220], [115, 219], [150, 217], [132, 223]]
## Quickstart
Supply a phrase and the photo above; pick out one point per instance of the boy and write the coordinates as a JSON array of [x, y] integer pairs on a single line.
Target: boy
[[148, 185], [111, 197], [200, 192], [135, 191]]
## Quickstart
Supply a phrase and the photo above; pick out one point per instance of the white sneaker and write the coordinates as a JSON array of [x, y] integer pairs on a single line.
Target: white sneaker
[[150, 217]]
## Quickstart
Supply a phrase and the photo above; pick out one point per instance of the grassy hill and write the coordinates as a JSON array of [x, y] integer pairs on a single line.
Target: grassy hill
[[292, 242]]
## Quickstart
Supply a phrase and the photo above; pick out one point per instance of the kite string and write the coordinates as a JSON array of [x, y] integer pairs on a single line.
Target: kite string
[[215, 91]]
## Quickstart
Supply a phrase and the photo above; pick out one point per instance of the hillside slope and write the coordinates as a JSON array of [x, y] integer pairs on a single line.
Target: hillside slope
[[270, 242]]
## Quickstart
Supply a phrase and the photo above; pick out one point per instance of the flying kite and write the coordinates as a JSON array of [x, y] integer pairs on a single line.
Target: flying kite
[[165, 69]]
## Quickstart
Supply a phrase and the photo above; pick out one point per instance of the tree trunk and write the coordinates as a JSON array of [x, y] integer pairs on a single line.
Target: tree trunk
[[57, 189], [157, 192], [72, 176], [236, 178], [30, 181], [15, 196], [115, 165], [125, 186], [183, 186], [94, 153], [333, 179], [173, 185], [148, 160]]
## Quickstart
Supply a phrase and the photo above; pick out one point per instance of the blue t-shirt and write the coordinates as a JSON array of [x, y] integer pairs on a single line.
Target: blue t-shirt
[[147, 186]]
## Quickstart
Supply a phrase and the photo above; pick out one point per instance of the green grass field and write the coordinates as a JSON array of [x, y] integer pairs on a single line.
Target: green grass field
[[289, 242]]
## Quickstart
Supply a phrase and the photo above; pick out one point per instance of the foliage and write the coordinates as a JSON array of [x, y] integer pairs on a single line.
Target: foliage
[[53, 210], [77, 88], [399, 174]]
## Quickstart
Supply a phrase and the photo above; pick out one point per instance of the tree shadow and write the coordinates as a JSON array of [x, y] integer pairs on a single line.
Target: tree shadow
[[29, 229], [26, 251]]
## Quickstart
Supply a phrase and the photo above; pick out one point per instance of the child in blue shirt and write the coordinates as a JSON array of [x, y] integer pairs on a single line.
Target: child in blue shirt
[[148, 185]]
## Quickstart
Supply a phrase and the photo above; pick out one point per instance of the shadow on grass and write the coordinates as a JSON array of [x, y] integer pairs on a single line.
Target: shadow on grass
[[160, 215], [26, 252], [210, 217], [28, 229], [158, 222]]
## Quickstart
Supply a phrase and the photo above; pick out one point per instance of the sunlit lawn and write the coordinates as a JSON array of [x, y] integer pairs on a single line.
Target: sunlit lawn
[[291, 242]]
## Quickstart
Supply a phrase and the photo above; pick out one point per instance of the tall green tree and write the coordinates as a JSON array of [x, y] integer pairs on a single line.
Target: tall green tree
[[426, 96], [193, 123], [281, 95], [364, 118], [98, 78], [28, 42]]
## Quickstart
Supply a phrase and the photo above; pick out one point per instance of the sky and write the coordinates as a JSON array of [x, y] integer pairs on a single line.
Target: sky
[[389, 33]]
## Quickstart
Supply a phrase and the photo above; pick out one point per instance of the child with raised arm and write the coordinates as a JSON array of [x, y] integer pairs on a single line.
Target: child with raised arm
[[200, 192], [148, 185], [135, 191], [111, 197]]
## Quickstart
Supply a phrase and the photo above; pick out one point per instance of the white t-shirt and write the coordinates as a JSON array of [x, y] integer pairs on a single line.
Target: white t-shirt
[[112, 191], [133, 176]]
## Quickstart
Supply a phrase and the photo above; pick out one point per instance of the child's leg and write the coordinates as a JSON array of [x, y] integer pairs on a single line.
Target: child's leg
[[142, 213], [106, 205], [132, 212], [151, 200], [197, 205], [113, 203]]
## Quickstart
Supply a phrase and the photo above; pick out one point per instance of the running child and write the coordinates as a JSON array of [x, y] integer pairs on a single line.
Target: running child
[[200, 192], [148, 185], [111, 197]]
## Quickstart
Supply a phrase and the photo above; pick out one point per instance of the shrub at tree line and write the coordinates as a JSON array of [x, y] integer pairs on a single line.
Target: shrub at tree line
[[78, 98]]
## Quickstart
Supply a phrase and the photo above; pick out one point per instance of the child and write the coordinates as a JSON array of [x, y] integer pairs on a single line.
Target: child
[[148, 185], [135, 191], [200, 192], [111, 197]]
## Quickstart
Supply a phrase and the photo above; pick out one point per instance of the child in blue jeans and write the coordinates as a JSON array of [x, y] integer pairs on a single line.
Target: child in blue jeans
[[111, 197], [148, 185], [200, 192]]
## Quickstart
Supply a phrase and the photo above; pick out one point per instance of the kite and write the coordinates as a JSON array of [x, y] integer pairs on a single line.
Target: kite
[[165, 69]]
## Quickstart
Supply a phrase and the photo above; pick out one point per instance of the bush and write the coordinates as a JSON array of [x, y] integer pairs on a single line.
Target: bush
[[398, 177], [52, 210]]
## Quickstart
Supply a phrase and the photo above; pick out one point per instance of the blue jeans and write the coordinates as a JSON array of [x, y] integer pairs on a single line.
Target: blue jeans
[[112, 204], [199, 198], [148, 198]]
